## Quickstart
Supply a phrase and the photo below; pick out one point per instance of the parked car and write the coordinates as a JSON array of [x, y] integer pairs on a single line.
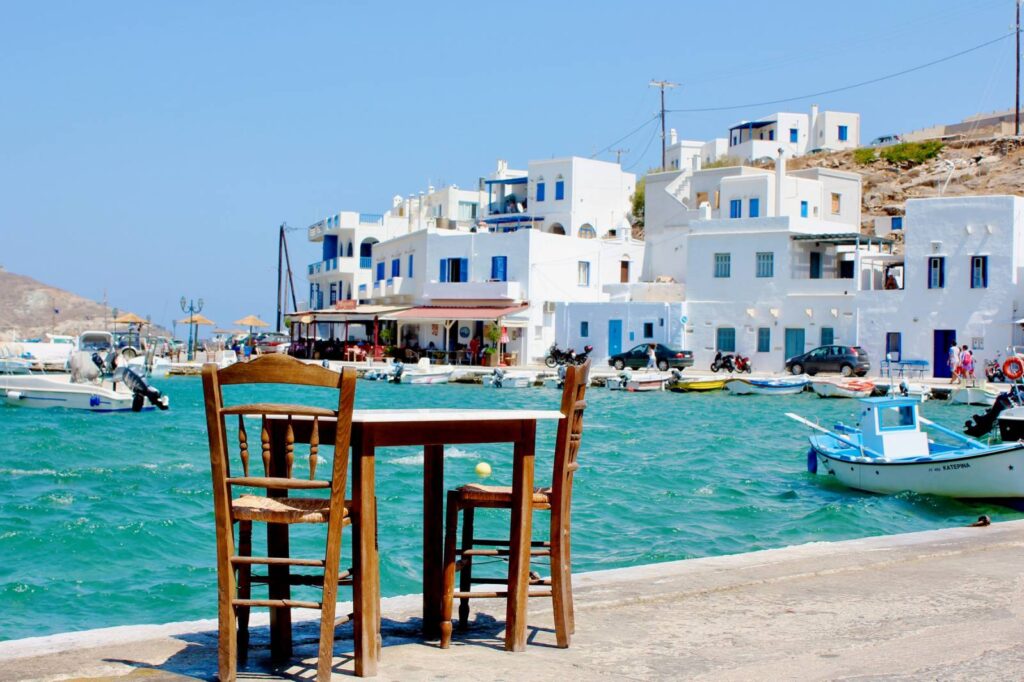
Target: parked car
[[636, 358], [847, 360], [273, 342]]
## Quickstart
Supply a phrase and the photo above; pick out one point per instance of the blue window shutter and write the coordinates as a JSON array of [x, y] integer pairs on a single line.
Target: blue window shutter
[[464, 269], [380, 271], [793, 134], [409, 273], [444, 270], [396, 267], [560, 190], [843, 134], [540, 191], [498, 265], [803, 209], [755, 208]]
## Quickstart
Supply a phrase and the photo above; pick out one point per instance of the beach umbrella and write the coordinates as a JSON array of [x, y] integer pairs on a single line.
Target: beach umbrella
[[129, 318], [251, 321], [197, 319]]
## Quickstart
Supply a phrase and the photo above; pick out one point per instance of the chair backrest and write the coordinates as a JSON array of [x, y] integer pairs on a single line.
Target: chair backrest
[[278, 425], [570, 433]]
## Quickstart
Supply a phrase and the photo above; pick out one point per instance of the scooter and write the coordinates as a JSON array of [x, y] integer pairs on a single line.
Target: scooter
[[994, 370], [743, 364], [724, 362]]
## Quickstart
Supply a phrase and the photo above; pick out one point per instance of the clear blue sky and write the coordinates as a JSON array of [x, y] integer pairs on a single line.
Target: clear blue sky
[[152, 149]]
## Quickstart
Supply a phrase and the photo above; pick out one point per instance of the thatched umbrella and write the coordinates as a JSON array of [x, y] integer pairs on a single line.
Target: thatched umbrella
[[129, 319], [196, 319], [251, 321]]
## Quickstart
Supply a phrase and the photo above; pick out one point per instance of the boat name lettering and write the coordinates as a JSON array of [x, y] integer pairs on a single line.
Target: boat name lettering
[[957, 465]]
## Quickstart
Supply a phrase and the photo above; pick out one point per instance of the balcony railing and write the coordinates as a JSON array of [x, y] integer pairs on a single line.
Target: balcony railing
[[371, 219], [366, 262], [508, 291]]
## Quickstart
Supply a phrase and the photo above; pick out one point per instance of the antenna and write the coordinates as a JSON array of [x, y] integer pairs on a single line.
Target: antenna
[[619, 153], [661, 85], [1016, 108]]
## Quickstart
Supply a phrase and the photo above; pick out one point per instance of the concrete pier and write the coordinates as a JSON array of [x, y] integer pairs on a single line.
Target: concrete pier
[[945, 604]]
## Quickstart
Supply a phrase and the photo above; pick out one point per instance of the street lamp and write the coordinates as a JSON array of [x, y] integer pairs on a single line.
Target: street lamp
[[191, 307]]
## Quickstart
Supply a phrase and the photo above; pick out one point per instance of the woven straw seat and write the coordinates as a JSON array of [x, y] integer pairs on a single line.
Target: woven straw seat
[[282, 509], [480, 492]]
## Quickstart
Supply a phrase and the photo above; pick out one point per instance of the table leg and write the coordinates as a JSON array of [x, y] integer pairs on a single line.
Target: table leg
[[433, 538], [520, 536], [366, 591]]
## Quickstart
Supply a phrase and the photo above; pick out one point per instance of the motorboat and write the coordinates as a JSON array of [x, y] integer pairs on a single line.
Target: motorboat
[[974, 395], [640, 382], [123, 391], [499, 378], [889, 453], [1011, 424], [52, 353], [695, 385], [423, 373], [778, 386], [848, 388], [225, 358]]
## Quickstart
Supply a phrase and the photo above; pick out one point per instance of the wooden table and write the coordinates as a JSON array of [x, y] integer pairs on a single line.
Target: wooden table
[[432, 429]]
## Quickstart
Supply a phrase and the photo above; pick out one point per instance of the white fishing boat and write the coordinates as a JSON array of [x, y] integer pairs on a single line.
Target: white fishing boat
[[889, 453], [423, 373], [1011, 424], [974, 395], [642, 382], [779, 386], [58, 390], [851, 388], [52, 352], [499, 378]]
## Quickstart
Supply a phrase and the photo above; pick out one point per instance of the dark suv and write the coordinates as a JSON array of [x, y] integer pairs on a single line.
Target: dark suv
[[846, 360]]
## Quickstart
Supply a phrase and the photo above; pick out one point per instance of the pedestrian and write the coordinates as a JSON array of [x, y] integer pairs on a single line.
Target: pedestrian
[[967, 365], [474, 349], [652, 357], [954, 363]]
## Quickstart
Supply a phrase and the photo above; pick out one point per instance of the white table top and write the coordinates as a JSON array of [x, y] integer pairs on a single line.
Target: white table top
[[449, 415]]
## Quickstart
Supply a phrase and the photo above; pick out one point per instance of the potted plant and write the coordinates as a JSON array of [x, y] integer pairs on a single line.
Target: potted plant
[[493, 334]]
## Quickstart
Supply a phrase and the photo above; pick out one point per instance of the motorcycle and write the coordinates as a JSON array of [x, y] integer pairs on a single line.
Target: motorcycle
[[580, 358], [724, 362], [743, 364], [994, 370], [556, 356]]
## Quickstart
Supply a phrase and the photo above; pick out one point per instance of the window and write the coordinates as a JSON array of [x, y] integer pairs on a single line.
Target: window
[[648, 330], [396, 267], [844, 134], [380, 270], [735, 208], [559, 190], [583, 273], [334, 292], [765, 264], [587, 231], [764, 339], [836, 199], [755, 207], [894, 418], [793, 134], [828, 336], [409, 272], [979, 272], [815, 265], [723, 265], [897, 223], [467, 210], [499, 268], [454, 270], [702, 198], [584, 329], [936, 272], [893, 346], [725, 340], [540, 191], [803, 209], [771, 134]]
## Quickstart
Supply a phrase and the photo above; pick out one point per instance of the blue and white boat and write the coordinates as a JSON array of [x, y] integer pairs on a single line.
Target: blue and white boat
[[890, 453], [781, 386]]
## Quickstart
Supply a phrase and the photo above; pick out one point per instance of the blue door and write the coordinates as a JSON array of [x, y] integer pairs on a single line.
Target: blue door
[[794, 342], [614, 337], [944, 338]]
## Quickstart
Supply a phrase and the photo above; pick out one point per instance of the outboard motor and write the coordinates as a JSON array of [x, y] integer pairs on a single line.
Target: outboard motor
[[396, 371], [141, 391], [904, 389], [499, 374], [98, 361], [982, 423], [562, 369]]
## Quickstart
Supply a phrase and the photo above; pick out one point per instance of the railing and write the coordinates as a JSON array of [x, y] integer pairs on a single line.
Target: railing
[[371, 219], [362, 291], [366, 262]]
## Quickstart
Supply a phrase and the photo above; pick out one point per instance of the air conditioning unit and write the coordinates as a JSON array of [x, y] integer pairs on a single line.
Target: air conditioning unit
[[549, 306]]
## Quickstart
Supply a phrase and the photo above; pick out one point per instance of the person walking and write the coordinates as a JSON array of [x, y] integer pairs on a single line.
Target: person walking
[[652, 357], [954, 363], [967, 366]]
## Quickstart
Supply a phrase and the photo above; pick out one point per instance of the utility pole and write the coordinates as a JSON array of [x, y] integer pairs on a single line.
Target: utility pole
[[661, 85], [284, 274], [1016, 108], [619, 153]]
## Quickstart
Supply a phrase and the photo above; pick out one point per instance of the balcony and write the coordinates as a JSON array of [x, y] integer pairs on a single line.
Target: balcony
[[476, 291], [346, 220], [371, 219], [366, 262], [340, 264]]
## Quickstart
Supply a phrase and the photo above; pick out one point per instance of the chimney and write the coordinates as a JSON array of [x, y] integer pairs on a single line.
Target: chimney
[[780, 178], [696, 162], [502, 167], [671, 135], [814, 123]]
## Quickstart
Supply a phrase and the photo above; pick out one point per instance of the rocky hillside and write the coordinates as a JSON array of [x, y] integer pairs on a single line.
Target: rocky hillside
[[985, 166], [27, 309]]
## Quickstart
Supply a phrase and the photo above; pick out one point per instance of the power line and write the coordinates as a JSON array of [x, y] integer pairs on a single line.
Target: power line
[[626, 136], [846, 87], [661, 85]]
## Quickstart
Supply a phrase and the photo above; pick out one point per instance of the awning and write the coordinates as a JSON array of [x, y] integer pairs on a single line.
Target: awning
[[432, 313], [844, 239], [359, 313]]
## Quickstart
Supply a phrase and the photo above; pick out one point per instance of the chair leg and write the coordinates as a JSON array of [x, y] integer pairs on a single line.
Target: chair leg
[[329, 600], [571, 611], [227, 642], [559, 591], [466, 573], [448, 570], [244, 589]]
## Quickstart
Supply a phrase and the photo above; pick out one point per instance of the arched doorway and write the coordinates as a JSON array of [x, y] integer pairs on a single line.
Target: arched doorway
[[366, 252], [624, 263], [557, 229], [587, 231]]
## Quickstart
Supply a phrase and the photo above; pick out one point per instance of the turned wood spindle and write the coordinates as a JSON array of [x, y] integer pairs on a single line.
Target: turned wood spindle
[[265, 439], [314, 445], [243, 445], [289, 449]]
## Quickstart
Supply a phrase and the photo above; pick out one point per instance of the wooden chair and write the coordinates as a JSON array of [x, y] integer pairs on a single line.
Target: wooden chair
[[275, 508], [556, 499]]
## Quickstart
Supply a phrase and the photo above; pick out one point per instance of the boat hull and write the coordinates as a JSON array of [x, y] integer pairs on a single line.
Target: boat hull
[[644, 385], [995, 474], [697, 386], [973, 396], [828, 389], [425, 377], [515, 381], [43, 391], [765, 387]]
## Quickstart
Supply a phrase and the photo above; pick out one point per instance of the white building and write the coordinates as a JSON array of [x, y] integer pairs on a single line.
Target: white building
[[797, 134]]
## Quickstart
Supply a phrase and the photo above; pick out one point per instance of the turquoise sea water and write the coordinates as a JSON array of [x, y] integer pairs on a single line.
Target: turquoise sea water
[[106, 519]]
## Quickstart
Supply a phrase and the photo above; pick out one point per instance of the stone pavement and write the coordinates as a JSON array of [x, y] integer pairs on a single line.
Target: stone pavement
[[945, 604]]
